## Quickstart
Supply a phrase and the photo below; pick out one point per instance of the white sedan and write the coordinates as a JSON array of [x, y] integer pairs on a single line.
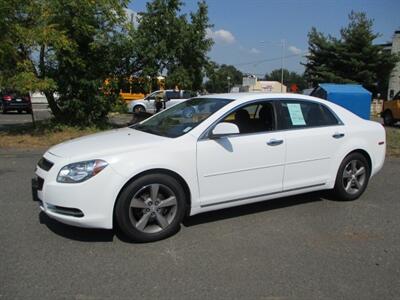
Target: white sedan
[[208, 153]]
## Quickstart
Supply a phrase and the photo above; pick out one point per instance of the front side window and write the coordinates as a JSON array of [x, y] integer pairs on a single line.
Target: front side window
[[304, 114], [181, 118], [253, 118]]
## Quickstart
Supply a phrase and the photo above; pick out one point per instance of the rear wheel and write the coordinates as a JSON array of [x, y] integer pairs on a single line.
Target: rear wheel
[[388, 118], [20, 111], [352, 177], [151, 208]]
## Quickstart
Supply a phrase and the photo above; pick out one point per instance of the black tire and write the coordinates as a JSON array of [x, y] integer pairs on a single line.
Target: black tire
[[29, 111], [4, 111], [20, 111], [388, 118], [139, 109], [126, 215], [349, 187]]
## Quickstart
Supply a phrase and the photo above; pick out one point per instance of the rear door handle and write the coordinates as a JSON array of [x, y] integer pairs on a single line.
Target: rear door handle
[[274, 142], [338, 135]]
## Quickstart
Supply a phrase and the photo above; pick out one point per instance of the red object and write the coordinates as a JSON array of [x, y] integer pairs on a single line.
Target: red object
[[294, 88], [7, 98]]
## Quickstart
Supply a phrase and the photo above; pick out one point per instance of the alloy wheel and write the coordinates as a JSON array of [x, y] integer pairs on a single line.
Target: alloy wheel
[[153, 208], [354, 177]]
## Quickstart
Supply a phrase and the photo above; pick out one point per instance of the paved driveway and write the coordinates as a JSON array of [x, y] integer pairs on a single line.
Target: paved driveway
[[302, 247]]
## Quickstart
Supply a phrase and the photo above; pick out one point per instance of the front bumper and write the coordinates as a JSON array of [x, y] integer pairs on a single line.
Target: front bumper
[[88, 204]]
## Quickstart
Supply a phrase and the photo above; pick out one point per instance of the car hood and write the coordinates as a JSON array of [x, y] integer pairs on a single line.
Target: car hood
[[104, 143]]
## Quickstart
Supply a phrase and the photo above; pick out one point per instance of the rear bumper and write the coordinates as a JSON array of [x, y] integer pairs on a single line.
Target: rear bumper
[[16, 105]]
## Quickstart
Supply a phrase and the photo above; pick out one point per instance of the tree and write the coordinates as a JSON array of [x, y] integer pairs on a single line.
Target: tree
[[289, 78], [69, 47], [218, 81], [169, 44], [351, 58]]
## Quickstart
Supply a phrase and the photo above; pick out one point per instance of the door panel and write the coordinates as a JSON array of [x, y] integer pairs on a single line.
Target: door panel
[[309, 155], [240, 166]]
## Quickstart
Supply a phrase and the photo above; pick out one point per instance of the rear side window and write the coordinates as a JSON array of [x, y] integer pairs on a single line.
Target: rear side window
[[304, 114], [188, 94], [173, 95]]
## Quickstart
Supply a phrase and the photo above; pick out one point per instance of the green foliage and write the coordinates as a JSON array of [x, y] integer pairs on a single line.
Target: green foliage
[[218, 81], [352, 58], [70, 47], [179, 77], [172, 44], [289, 78], [119, 106]]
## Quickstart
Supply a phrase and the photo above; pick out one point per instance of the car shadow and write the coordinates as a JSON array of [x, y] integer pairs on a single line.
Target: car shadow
[[249, 209], [105, 235], [76, 233]]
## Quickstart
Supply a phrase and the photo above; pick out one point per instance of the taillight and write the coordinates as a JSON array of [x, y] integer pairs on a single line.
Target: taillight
[[7, 98]]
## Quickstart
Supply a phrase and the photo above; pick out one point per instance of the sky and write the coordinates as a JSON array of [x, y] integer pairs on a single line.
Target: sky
[[252, 35]]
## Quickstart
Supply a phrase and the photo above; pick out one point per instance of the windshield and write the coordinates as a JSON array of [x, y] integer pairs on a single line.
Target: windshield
[[181, 118]]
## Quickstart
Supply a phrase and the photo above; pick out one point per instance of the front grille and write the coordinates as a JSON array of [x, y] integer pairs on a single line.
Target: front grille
[[40, 182], [45, 164]]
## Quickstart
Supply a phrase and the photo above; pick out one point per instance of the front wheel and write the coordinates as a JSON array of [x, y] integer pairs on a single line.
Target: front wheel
[[352, 177], [138, 109], [151, 208]]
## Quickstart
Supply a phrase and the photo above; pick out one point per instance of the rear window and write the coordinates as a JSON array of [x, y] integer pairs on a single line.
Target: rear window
[[13, 94]]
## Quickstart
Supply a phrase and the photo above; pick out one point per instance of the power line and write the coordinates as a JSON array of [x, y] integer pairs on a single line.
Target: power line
[[265, 60]]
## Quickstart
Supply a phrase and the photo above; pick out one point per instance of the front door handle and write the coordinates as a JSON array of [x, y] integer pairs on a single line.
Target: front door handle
[[338, 135], [274, 142]]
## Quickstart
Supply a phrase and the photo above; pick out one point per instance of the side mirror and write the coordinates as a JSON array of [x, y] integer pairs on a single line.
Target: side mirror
[[224, 129]]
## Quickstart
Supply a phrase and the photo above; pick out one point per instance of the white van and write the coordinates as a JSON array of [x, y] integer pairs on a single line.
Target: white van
[[171, 97]]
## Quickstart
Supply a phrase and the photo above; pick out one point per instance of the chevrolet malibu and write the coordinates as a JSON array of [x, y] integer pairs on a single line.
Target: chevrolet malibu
[[204, 154]]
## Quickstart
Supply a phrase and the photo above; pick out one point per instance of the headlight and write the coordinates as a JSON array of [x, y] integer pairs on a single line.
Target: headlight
[[81, 171]]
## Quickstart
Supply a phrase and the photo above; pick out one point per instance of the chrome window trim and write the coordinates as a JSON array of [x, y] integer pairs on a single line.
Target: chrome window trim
[[205, 134]]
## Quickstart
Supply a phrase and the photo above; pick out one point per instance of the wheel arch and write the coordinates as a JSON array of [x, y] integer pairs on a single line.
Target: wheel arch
[[138, 104], [168, 172], [387, 110], [364, 153]]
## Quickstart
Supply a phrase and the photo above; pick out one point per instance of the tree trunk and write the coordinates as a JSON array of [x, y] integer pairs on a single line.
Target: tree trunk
[[49, 95], [53, 106]]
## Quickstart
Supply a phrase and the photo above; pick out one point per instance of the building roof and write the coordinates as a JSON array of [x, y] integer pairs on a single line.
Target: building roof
[[344, 88]]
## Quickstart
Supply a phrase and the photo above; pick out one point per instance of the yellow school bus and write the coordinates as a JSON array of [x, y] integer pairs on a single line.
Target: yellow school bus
[[135, 88]]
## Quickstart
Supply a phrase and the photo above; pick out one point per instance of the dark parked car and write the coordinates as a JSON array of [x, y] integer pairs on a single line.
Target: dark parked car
[[15, 101]]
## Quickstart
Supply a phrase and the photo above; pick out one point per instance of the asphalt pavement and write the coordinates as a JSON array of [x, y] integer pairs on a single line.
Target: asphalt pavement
[[302, 247]]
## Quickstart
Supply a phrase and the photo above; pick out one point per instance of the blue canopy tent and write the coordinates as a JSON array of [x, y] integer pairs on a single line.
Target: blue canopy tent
[[350, 96]]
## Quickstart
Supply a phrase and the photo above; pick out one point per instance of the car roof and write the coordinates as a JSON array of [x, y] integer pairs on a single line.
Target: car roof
[[244, 97]]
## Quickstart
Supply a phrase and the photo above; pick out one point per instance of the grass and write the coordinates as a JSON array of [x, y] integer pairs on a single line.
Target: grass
[[44, 135], [393, 141]]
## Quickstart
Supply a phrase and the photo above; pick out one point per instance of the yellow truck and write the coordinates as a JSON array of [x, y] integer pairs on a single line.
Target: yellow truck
[[391, 110]]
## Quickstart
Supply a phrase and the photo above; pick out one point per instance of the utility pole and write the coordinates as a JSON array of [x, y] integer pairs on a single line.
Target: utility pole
[[282, 62], [229, 83]]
